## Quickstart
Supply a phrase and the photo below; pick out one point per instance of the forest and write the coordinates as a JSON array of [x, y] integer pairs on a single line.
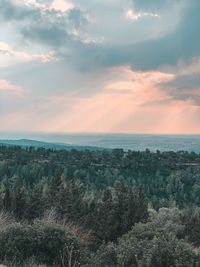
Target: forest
[[99, 208]]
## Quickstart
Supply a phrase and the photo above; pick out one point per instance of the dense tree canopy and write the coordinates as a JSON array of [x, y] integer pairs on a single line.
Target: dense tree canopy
[[109, 208]]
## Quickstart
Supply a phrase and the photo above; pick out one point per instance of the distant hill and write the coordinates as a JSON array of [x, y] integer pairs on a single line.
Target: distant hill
[[137, 142], [57, 146]]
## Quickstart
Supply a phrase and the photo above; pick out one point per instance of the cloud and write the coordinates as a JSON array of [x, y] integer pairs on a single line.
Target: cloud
[[76, 33], [10, 11], [61, 5], [48, 25], [10, 56], [78, 18], [152, 5], [48, 35], [114, 99], [185, 87], [186, 82], [130, 14], [69, 33], [183, 43], [11, 89], [164, 48]]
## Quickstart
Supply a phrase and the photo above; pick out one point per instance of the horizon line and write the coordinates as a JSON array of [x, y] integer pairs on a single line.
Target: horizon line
[[94, 133]]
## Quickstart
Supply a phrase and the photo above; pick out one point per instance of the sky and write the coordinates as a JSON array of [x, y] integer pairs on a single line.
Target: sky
[[126, 66]]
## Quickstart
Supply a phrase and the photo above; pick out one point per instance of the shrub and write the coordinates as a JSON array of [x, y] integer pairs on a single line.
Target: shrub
[[147, 246], [49, 243]]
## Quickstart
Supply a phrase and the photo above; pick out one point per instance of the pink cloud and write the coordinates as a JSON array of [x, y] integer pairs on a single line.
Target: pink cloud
[[9, 56], [144, 108], [172, 117], [115, 111], [61, 5], [9, 88]]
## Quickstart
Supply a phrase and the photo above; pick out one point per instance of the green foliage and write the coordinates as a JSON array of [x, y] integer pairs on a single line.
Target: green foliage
[[69, 201], [48, 243], [105, 256], [103, 197], [191, 222], [146, 246], [167, 178], [168, 219], [167, 250], [117, 211]]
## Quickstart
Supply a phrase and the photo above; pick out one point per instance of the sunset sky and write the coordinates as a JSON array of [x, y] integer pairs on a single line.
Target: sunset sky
[[127, 66]]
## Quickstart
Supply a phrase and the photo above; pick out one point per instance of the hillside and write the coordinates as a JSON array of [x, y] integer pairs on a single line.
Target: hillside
[[57, 146], [114, 140]]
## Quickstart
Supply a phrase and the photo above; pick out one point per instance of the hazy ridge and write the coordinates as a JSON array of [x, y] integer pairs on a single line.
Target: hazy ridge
[[108, 141]]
